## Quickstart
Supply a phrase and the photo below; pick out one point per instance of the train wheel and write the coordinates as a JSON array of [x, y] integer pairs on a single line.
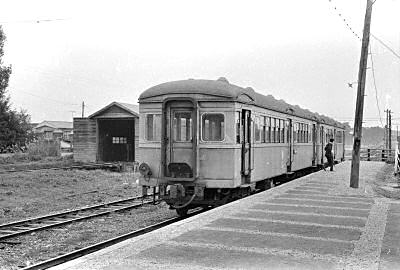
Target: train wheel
[[182, 212]]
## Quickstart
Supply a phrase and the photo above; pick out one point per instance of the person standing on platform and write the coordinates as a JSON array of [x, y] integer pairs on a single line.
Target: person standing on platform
[[329, 154]]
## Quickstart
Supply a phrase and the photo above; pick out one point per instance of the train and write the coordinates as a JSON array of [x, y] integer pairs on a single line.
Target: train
[[203, 142]]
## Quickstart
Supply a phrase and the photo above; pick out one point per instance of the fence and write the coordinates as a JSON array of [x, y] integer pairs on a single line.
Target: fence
[[374, 154]]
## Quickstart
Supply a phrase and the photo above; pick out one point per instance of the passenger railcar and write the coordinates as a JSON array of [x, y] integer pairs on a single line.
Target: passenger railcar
[[204, 142]]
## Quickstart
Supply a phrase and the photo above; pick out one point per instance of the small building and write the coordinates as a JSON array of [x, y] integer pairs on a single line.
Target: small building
[[53, 130], [108, 135]]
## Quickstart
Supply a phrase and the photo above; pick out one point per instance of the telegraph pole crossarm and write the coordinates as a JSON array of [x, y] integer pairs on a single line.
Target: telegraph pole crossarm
[[355, 162]]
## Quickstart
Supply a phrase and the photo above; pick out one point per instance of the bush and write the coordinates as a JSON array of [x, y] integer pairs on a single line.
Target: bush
[[35, 152], [44, 149]]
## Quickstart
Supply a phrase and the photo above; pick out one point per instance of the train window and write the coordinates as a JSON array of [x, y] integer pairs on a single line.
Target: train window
[[294, 132], [262, 128], [273, 128], [282, 124], [268, 129], [338, 137], [257, 129], [153, 127], [182, 127], [213, 126], [278, 131], [238, 130], [299, 133]]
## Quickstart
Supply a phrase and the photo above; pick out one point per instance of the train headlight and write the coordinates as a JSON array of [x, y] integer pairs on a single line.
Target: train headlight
[[145, 170]]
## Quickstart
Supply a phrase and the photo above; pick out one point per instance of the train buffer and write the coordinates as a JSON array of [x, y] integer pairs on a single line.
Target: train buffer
[[314, 222]]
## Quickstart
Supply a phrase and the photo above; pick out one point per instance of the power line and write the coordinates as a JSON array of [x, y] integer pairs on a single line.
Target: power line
[[50, 99], [386, 46], [34, 21], [376, 90], [345, 21], [357, 36]]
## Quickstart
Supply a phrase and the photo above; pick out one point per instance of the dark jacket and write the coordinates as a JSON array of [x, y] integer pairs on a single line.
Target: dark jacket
[[328, 150]]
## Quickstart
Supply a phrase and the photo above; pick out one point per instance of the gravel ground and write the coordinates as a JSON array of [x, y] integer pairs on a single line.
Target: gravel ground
[[43, 245]]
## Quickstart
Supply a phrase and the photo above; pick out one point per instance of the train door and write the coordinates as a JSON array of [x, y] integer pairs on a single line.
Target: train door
[[246, 146], [179, 139], [289, 128], [334, 144], [322, 138], [314, 141]]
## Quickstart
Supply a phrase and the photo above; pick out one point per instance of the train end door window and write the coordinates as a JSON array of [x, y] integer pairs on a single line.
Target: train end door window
[[213, 127], [182, 126]]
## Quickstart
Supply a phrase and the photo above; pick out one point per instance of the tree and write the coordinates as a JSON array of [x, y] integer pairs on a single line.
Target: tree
[[14, 126]]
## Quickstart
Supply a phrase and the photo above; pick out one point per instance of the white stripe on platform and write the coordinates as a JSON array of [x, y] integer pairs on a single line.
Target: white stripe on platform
[[309, 206], [367, 250], [345, 199], [262, 251], [304, 214], [289, 235], [317, 200], [295, 222]]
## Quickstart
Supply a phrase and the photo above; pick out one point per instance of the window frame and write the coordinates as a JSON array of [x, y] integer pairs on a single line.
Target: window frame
[[146, 128], [202, 127], [175, 127]]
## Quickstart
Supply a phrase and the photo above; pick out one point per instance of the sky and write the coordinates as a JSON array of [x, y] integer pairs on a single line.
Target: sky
[[65, 52]]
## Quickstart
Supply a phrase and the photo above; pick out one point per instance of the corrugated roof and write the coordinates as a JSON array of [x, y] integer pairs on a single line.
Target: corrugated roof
[[222, 88]]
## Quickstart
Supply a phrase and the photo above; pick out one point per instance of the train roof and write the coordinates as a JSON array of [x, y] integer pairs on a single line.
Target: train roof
[[222, 88]]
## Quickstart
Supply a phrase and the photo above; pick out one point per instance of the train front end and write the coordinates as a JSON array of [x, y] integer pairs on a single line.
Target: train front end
[[187, 149]]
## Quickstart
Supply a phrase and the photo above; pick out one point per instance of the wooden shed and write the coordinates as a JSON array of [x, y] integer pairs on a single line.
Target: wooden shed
[[108, 135]]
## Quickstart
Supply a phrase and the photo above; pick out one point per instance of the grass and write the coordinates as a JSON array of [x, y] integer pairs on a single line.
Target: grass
[[29, 194], [39, 155], [386, 183]]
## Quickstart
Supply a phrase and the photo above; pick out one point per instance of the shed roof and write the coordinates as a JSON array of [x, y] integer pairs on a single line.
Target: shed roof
[[131, 109], [222, 88], [55, 124]]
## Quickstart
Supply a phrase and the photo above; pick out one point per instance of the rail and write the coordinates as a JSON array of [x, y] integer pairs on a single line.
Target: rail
[[17, 228], [96, 247]]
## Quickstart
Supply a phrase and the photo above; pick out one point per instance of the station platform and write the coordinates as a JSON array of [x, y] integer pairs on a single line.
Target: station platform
[[314, 222]]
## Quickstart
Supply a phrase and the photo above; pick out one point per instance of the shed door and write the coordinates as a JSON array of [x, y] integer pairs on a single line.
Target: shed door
[[246, 144], [116, 140]]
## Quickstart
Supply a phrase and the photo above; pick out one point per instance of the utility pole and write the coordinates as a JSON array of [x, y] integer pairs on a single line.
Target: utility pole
[[386, 129], [72, 114], [390, 130], [355, 161], [83, 109]]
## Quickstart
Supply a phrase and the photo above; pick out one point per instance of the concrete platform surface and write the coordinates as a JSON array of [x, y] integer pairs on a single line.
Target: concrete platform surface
[[315, 222]]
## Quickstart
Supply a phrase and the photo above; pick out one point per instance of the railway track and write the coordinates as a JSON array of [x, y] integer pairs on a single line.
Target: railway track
[[18, 228], [90, 166], [96, 247]]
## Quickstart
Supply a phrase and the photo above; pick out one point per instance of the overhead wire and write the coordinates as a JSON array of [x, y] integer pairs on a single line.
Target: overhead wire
[[372, 61], [376, 89]]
